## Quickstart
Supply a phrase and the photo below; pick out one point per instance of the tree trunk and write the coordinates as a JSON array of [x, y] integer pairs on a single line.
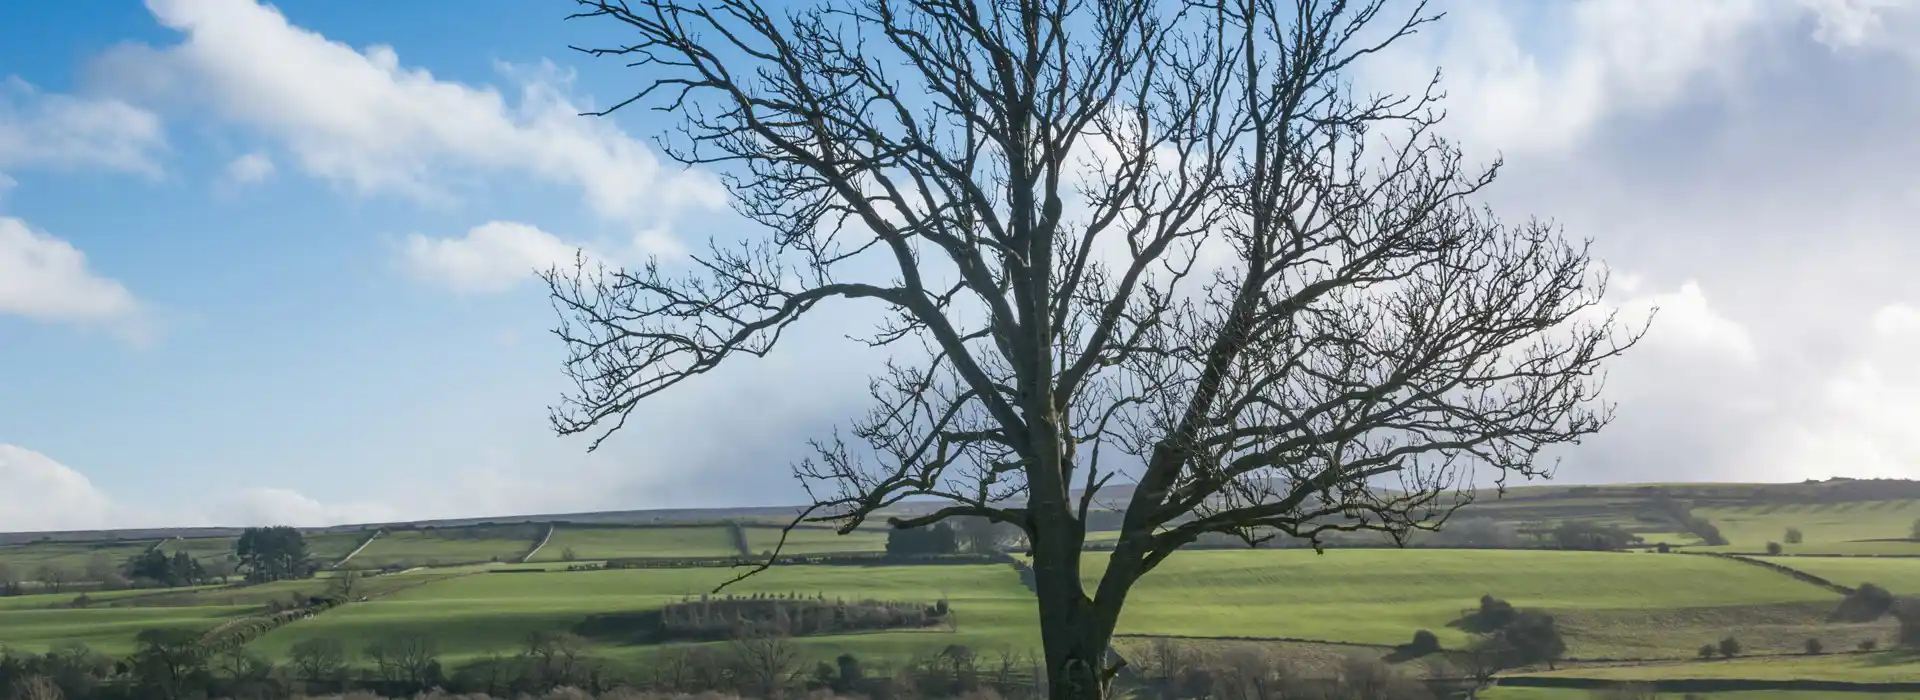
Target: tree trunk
[[1075, 648]]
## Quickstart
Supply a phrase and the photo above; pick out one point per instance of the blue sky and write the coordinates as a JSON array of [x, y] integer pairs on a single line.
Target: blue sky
[[307, 229]]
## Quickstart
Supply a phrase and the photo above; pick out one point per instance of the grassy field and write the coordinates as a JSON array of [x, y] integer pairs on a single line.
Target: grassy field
[[70, 558], [1611, 605], [1829, 528], [408, 548], [107, 630], [1902, 576], [1878, 667], [485, 613], [816, 541], [1510, 693], [592, 543]]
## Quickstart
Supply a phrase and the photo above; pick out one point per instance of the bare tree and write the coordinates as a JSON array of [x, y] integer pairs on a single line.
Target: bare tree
[[765, 663], [1160, 242]]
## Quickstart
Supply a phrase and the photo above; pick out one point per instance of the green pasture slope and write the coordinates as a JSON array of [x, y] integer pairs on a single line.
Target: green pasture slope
[[479, 614], [1851, 527], [1899, 575], [592, 543], [1610, 605], [1878, 667], [26, 560], [815, 540], [1512, 693], [449, 546]]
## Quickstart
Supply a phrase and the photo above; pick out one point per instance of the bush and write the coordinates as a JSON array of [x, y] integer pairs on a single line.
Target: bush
[[1865, 604], [1424, 642], [1729, 648], [1814, 647], [1707, 651], [1774, 548], [1869, 644], [1794, 536]]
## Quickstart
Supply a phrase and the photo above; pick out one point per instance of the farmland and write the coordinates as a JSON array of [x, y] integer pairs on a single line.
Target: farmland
[[1625, 616], [1857, 527]]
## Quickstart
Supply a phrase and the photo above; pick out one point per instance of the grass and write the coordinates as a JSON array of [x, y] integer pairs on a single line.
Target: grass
[[1879, 667], [202, 547], [409, 548], [1381, 596], [26, 560], [1901, 576], [1512, 693], [329, 547], [106, 630], [815, 541], [1829, 528], [593, 543], [479, 614]]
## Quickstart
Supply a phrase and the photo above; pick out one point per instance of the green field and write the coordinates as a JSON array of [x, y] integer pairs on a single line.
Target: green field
[[1901, 576], [1829, 528], [1611, 605], [594, 543], [70, 558], [485, 613], [1512, 693], [107, 630], [1878, 667], [815, 541], [410, 548]]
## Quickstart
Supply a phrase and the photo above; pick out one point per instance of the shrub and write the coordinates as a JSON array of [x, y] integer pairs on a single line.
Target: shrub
[[1774, 548], [1424, 642], [1729, 648], [1794, 536], [1814, 647], [1707, 651], [1663, 548], [1865, 604], [1869, 644]]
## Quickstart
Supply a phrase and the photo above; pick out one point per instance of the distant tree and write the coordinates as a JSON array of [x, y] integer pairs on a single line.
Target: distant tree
[[345, 587], [1908, 613], [273, 553], [1729, 648], [1707, 651], [1493, 614], [1663, 548], [9, 582], [168, 662], [765, 663], [847, 673], [1866, 603], [567, 554], [1794, 536], [1424, 642], [983, 536], [101, 569], [248, 674], [1483, 533], [413, 659], [1869, 644], [1814, 647], [155, 566], [1774, 548], [1591, 536], [52, 579], [938, 538], [1536, 639], [1914, 532], [321, 661]]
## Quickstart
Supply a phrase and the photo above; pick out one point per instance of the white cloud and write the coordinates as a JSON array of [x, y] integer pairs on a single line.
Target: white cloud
[[63, 131], [360, 118], [257, 507], [491, 257], [46, 278], [249, 168], [38, 493]]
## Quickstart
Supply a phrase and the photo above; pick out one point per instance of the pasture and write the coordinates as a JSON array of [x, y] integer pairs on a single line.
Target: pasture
[[1877, 667], [484, 613], [1850, 527], [590, 543], [1611, 604], [440, 547], [1516, 693], [815, 540], [1899, 575], [25, 561]]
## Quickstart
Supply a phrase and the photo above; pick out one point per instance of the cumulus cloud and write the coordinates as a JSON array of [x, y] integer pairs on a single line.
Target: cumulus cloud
[[249, 168], [39, 129], [256, 507], [46, 278], [491, 257], [38, 493], [360, 118]]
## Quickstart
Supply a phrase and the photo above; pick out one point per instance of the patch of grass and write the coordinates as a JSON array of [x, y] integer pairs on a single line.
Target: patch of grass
[[1831, 528], [593, 543], [815, 541], [1901, 576], [1380, 596], [481, 614], [106, 630], [1880, 667], [447, 546], [1513, 693], [26, 560]]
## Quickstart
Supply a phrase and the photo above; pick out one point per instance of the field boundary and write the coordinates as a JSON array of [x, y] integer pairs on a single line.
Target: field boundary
[[1784, 570], [544, 539], [356, 550], [739, 535]]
